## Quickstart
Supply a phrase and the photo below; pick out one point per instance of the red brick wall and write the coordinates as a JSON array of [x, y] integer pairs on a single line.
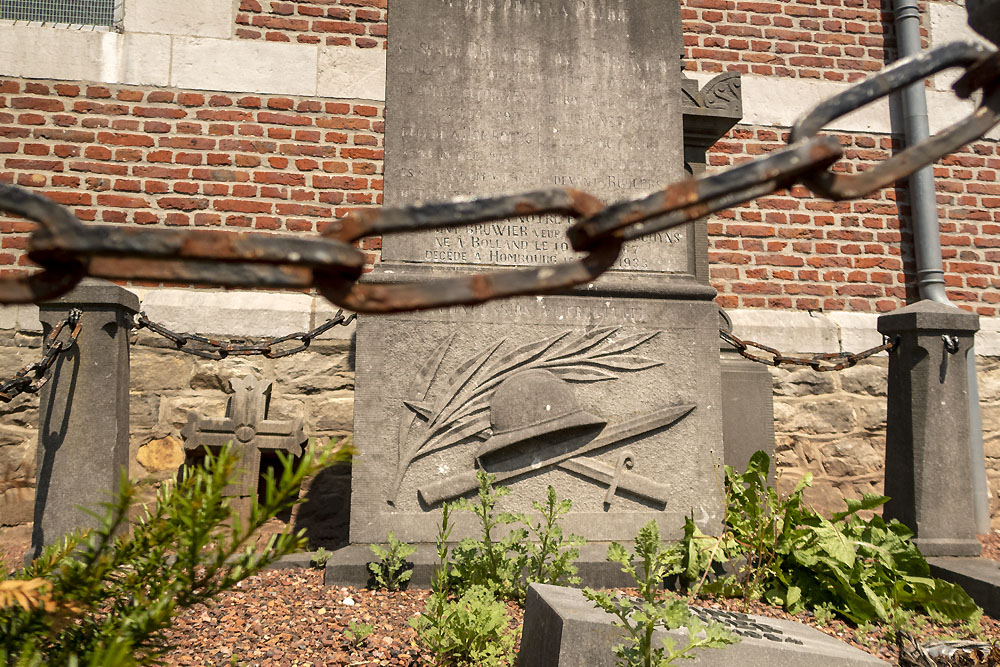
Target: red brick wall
[[360, 23], [794, 250], [121, 154], [835, 40], [143, 156]]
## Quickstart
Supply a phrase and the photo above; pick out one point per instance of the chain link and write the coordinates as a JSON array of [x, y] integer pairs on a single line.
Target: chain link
[[211, 348], [823, 363], [31, 378], [68, 250]]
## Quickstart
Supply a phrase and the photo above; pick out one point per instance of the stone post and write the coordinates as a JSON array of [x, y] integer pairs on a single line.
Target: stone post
[[928, 470], [83, 417]]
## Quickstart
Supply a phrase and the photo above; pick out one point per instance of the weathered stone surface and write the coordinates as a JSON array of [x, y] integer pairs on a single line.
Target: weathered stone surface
[[332, 414], [626, 359], [868, 378], [519, 96], [802, 382], [162, 454], [747, 410], [16, 505], [928, 467], [160, 372], [83, 442], [564, 629]]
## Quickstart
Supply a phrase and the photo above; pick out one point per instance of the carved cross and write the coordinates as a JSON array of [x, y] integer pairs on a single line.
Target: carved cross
[[246, 426]]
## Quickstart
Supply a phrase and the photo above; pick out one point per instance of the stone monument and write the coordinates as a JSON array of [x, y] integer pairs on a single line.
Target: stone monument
[[609, 393]]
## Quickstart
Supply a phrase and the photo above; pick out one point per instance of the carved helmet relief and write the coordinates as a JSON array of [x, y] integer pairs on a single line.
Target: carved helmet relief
[[519, 405], [531, 405]]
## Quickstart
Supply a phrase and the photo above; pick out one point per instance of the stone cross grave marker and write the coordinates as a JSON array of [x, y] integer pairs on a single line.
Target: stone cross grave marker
[[247, 427], [609, 393]]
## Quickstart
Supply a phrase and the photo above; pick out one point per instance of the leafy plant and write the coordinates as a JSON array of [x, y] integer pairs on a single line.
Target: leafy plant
[[551, 555], [320, 558], [104, 597], [471, 630], [650, 564], [357, 633], [791, 556], [491, 561], [527, 552], [392, 572]]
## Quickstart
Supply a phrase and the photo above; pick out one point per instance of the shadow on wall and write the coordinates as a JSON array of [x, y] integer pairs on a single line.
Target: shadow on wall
[[326, 512]]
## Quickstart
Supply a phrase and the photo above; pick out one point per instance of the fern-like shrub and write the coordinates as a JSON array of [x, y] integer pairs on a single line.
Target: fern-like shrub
[[103, 597]]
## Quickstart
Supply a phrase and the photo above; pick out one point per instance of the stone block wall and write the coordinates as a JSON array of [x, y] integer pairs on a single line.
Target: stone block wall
[[317, 385]]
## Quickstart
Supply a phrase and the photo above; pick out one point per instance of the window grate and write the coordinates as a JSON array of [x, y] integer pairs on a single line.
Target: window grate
[[77, 12]]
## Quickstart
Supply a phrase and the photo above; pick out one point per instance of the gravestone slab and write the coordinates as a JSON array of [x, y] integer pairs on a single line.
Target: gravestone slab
[[564, 629], [517, 95], [615, 403], [609, 393]]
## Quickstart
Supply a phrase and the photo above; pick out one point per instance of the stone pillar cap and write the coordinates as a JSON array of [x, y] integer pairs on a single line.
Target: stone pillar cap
[[93, 291], [929, 315]]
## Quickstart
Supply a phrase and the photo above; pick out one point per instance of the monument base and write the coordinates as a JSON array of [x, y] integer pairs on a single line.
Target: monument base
[[614, 402], [349, 567], [980, 577]]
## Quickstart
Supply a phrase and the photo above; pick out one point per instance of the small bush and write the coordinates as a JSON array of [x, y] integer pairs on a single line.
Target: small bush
[[104, 597], [391, 572], [469, 631], [648, 567], [791, 556], [357, 633], [504, 557]]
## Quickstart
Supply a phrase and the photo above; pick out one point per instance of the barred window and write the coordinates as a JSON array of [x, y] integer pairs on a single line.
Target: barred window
[[77, 12]]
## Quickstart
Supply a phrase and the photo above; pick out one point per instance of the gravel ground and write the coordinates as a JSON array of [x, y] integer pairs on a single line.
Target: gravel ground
[[288, 618]]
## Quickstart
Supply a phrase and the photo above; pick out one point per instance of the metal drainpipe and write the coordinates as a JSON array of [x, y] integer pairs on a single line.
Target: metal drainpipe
[[927, 243]]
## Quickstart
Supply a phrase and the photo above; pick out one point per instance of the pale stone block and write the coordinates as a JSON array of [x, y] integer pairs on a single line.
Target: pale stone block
[[27, 318], [350, 73], [258, 314], [950, 23], [790, 332], [858, 331], [323, 310], [988, 337], [8, 317], [243, 66], [798, 97], [78, 55], [190, 18]]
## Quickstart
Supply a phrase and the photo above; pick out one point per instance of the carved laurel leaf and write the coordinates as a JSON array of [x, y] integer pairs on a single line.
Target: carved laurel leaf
[[584, 342], [583, 374], [460, 378], [626, 343], [624, 362]]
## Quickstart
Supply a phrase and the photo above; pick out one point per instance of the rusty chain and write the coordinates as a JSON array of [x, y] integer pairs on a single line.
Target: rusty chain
[[211, 348], [823, 363], [31, 378], [68, 250]]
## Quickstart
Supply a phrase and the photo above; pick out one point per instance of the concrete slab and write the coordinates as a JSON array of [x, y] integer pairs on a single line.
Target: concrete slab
[[564, 629]]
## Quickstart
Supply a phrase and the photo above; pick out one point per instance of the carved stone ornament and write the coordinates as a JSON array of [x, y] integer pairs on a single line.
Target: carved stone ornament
[[247, 426], [520, 403]]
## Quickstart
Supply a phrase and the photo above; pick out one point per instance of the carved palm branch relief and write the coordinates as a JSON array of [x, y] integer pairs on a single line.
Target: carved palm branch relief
[[462, 408]]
